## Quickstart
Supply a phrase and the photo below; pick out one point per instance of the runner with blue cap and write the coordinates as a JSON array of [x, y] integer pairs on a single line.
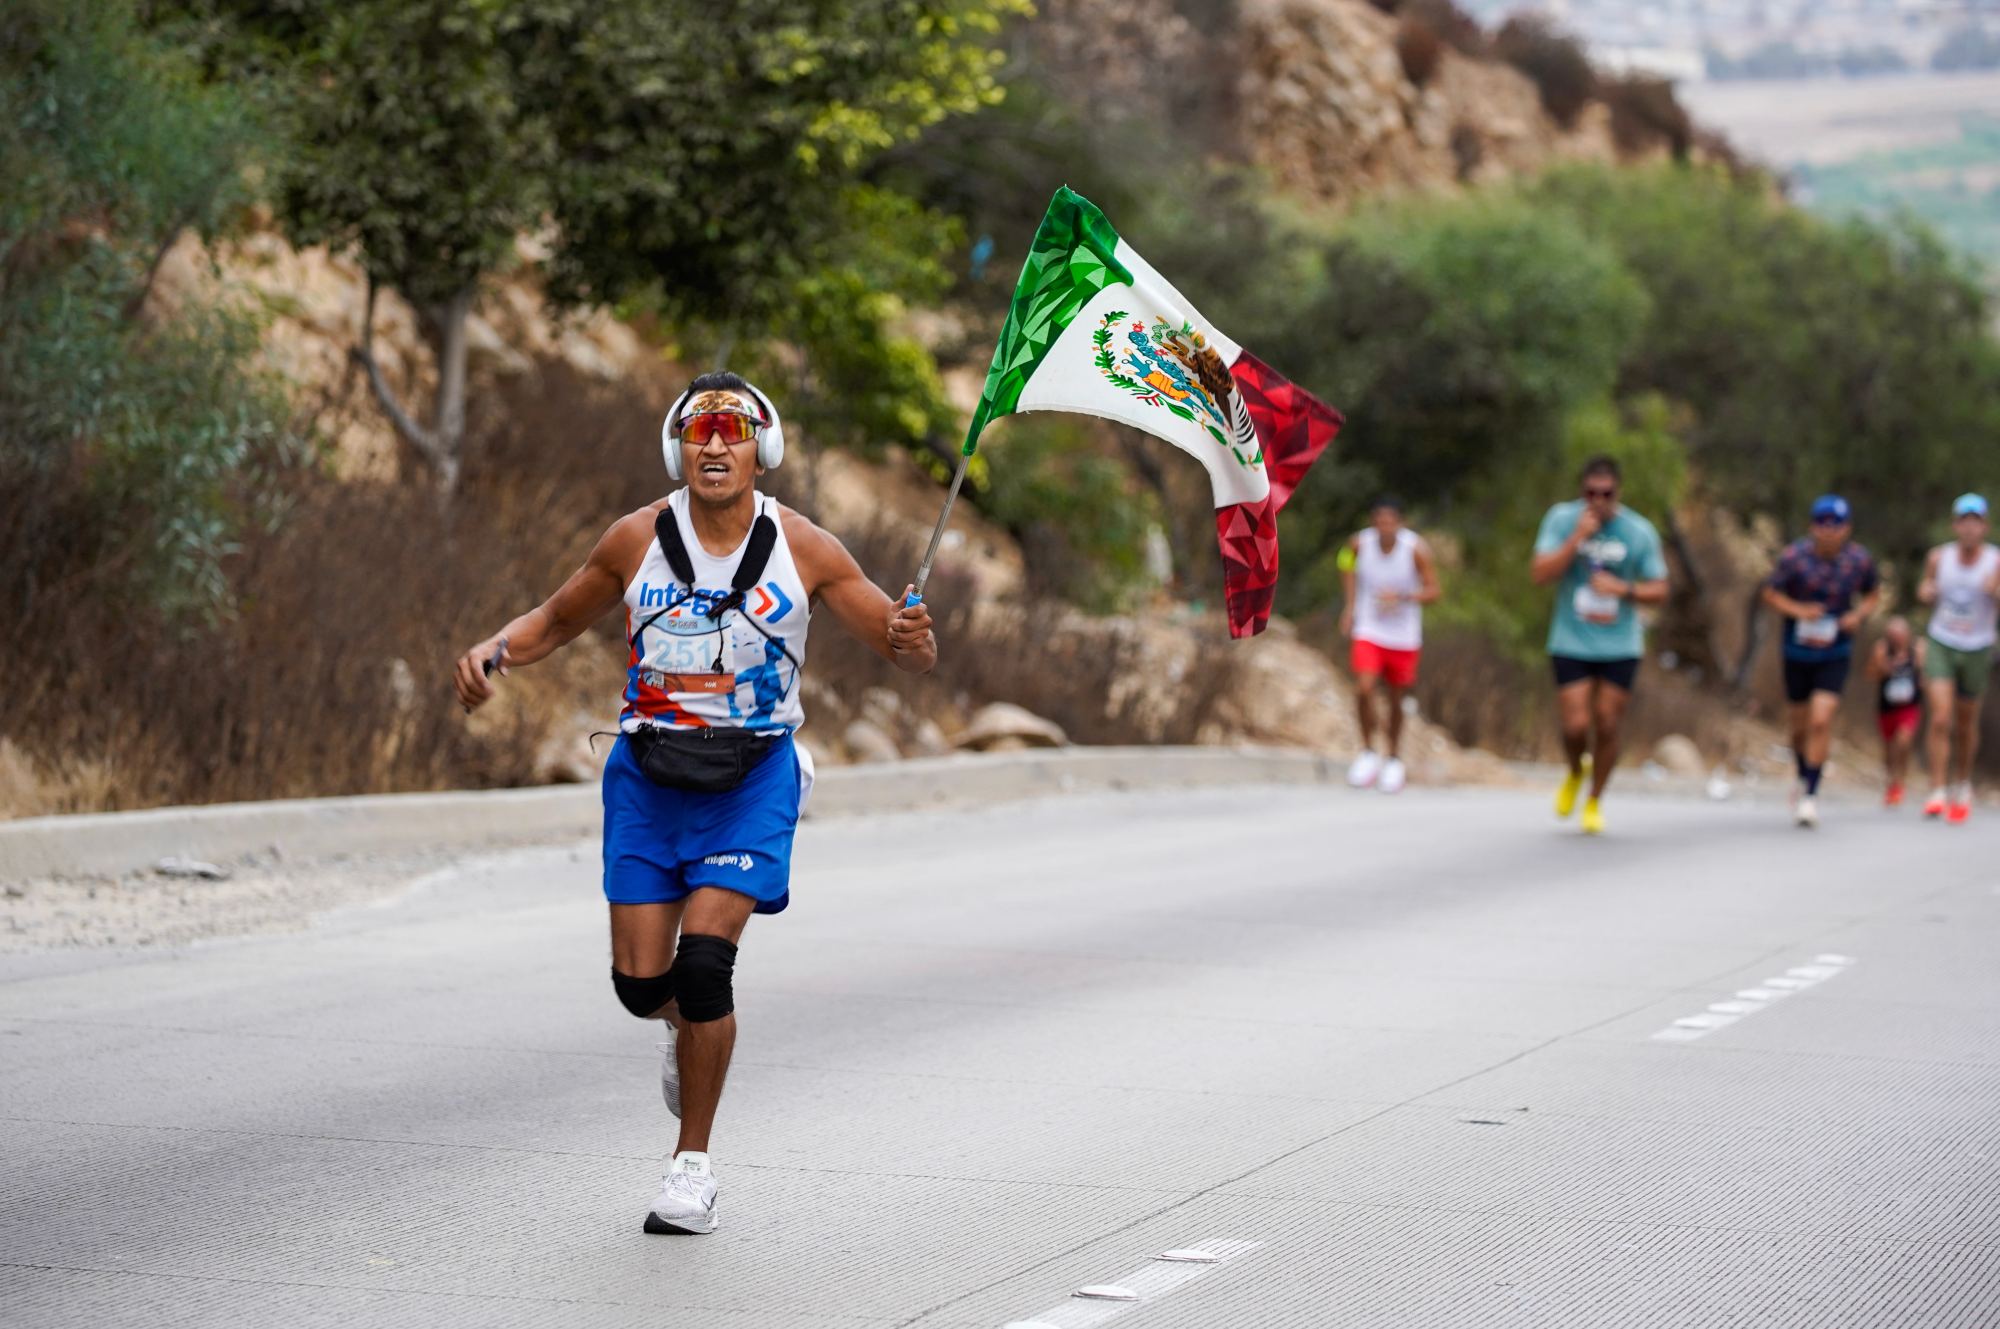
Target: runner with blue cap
[[1825, 586], [1962, 586]]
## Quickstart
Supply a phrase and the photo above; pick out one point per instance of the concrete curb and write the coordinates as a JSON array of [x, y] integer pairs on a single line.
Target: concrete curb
[[112, 844]]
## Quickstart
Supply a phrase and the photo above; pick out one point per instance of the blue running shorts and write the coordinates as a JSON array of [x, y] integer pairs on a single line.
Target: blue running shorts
[[662, 844]]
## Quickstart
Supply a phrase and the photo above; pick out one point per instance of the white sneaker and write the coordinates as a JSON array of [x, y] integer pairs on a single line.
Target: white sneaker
[[670, 1070], [686, 1202], [1364, 770], [1393, 776], [1806, 813]]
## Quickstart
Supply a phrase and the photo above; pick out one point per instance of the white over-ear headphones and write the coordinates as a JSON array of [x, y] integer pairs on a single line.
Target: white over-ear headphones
[[770, 434]]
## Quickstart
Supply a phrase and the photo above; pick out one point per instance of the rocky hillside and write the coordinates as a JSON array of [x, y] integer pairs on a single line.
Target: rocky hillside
[[1312, 91], [1329, 111]]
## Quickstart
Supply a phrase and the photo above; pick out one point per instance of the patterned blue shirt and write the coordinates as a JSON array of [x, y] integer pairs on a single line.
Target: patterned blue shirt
[[1838, 583]]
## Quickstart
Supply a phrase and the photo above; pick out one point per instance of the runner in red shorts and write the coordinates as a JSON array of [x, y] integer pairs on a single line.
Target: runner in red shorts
[[1896, 667], [1390, 576]]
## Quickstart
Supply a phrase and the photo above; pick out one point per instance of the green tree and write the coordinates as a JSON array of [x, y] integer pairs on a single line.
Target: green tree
[[1458, 337], [1809, 355], [698, 158], [126, 439]]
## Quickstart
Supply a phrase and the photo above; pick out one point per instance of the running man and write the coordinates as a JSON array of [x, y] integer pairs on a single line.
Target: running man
[[1825, 585], [1605, 561], [1896, 667], [1962, 584], [704, 784], [1390, 576]]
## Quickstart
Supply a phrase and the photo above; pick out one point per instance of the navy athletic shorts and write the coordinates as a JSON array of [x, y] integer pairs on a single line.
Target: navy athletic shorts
[[660, 845], [1618, 673], [1805, 677]]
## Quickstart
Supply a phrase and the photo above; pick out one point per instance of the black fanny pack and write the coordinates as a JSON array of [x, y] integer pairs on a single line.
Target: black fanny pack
[[702, 761]]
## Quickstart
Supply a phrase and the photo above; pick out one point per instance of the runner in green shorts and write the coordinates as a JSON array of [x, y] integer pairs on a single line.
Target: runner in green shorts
[[1962, 585], [1966, 671]]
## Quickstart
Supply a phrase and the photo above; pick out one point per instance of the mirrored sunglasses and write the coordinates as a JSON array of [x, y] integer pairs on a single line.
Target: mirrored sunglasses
[[729, 426]]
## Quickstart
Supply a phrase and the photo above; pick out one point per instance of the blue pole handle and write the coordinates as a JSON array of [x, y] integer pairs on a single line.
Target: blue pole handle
[[914, 599]]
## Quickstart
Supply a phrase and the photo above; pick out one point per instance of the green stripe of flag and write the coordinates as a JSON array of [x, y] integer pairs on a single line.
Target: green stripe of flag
[[1074, 256]]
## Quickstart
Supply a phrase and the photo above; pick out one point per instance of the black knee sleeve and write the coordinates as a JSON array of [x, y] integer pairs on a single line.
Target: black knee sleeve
[[702, 969], [644, 996]]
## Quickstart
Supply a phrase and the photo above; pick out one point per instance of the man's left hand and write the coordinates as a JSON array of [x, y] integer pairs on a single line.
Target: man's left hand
[[909, 625]]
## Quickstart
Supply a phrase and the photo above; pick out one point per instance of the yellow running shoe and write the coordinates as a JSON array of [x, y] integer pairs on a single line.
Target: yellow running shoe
[[1572, 785], [1593, 817]]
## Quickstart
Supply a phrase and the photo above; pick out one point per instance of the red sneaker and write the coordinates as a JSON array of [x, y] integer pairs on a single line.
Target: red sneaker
[[1894, 797], [1934, 806], [1959, 814]]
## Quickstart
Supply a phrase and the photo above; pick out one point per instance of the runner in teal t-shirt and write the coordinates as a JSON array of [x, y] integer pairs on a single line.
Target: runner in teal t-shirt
[[1605, 561]]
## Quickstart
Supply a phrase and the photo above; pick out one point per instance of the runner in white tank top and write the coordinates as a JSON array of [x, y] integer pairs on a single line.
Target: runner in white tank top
[[1962, 586], [673, 646], [704, 783], [1389, 576]]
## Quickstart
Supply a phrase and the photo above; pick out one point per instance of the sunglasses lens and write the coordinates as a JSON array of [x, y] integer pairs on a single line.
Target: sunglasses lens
[[725, 425], [1600, 493]]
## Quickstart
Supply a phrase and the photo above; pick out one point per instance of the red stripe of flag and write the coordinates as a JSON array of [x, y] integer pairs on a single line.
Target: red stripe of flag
[[1293, 427]]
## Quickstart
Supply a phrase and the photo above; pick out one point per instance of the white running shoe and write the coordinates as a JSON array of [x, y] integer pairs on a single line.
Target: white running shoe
[[1393, 776], [670, 1070], [1806, 813], [686, 1202], [1366, 767]]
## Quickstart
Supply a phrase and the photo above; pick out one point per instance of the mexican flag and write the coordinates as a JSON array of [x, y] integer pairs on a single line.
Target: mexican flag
[[1094, 330]]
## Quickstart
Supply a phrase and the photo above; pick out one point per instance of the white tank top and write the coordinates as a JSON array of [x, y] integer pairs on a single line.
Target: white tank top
[[1965, 616], [670, 676], [1375, 574]]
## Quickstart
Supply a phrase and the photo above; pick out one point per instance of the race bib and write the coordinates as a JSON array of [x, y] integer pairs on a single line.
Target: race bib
[[681, 656], [1900, 691], [1957, 625], [1595, 606], [1821, 631]]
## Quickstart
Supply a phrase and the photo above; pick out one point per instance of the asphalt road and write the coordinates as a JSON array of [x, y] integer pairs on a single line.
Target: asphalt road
[[1402, 1062]]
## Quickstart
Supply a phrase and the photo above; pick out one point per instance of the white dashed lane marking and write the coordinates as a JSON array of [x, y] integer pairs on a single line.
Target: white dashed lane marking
[[1164, 1273], [1748, 1001]]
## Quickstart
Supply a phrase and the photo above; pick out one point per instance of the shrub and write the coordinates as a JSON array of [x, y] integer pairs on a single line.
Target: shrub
[[1646, 113], [1458, 29], [1468, 150], [1553, 61], [1419, 48]]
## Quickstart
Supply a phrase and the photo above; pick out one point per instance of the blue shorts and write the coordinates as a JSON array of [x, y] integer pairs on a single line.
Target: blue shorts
[[662, 844]]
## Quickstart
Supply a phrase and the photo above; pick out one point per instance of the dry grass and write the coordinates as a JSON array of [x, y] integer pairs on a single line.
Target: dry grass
[[330, 673], [1097, 678]]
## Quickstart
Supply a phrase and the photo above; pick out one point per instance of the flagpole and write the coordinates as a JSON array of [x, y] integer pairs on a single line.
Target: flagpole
[[937, 535]]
